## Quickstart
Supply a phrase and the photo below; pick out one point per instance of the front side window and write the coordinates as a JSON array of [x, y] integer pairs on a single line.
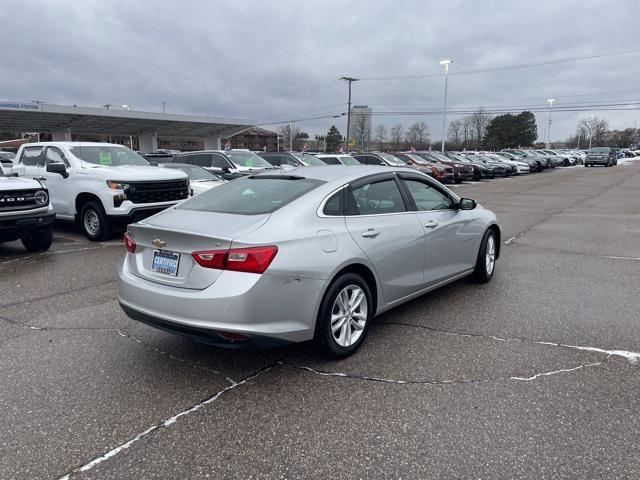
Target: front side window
[[251, 196], [220, 162], [30, 156], [349, 160], [378, 198], [426, 197], [107, 155], [201, 160], [54, 155]]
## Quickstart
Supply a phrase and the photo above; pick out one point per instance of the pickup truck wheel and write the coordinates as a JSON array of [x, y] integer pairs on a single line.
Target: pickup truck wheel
[[94, 222], [40, 243]]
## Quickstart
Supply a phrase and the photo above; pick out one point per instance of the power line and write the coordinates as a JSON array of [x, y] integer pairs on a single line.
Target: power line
[[510, 67]]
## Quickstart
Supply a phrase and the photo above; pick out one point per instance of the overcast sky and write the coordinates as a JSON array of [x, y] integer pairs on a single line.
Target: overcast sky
[[278, 60]]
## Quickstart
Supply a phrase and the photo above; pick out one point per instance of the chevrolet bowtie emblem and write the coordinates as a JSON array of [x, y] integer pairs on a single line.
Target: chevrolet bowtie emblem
[[159, 243]]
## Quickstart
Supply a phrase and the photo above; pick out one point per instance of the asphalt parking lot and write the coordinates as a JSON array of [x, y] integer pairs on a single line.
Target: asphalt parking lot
[[529, 376]]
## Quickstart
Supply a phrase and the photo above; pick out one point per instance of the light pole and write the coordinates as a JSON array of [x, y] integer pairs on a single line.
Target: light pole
[[446, 64], [290, 138], [550, 102], [163, 106]]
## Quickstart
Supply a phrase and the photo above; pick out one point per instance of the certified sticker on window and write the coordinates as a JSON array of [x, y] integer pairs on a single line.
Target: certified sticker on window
[[105, 158]]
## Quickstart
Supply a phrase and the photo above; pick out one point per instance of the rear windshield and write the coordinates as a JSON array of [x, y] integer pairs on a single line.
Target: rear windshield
[[108, 156], [251, 196], [600, 150], [307, 159], [392, 160]]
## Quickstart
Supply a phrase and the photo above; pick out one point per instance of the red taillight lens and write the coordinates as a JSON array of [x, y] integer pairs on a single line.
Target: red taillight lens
[[250, 260], [129, 243]]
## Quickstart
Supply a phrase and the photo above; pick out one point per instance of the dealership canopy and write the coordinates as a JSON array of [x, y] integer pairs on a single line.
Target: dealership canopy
[[62, 121]]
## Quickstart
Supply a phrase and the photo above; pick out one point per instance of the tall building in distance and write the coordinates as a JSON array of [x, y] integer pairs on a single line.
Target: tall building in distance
[[360, 127]]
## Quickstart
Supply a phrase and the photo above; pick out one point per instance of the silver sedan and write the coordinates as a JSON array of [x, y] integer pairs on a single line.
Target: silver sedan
[[313, 253]]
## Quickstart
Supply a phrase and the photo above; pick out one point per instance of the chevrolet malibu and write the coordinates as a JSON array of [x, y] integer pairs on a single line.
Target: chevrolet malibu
[[312, 253]]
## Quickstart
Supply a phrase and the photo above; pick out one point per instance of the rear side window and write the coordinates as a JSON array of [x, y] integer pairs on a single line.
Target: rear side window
[[334, 206], [30, 156], [251, 196], [378, 198], [201, 160], [275, 160]]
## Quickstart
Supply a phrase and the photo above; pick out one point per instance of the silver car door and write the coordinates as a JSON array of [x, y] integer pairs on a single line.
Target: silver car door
[[451, 233], [390, 235]]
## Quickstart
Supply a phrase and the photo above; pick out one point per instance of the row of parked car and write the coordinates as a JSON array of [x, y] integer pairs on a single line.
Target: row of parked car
[[104, 187]]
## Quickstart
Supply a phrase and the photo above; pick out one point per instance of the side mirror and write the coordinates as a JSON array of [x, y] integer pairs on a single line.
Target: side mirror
[[467, 204], [58, 167], [226, 169]]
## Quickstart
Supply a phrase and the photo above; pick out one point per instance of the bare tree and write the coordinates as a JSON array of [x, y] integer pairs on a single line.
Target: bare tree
[[479, 120], [397, 132], [380, 135], [455, 131], [597, 130], [418, 135], [288, 135], [467, 131]]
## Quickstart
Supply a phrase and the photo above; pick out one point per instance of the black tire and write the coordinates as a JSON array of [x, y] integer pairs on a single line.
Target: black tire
[[102, 231], [480, 272], [323, 339], [40, 243], [565, 163]]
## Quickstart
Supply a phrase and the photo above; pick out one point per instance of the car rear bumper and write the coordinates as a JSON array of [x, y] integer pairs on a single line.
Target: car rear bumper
[[267, 309], [597, 161], [24, 225]]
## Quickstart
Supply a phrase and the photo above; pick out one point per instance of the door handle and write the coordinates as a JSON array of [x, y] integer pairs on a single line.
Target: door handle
[[371, 233], [431, 224]]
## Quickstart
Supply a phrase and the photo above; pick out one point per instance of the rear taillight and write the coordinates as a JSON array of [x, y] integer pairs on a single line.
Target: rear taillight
[[250, 260], [129, 243]]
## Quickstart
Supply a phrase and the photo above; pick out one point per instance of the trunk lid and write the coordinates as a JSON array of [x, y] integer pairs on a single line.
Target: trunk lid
[[183, 232]]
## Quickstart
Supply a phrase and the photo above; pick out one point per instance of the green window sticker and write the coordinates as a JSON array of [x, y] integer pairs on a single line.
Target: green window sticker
[[105, 158], [249, 162]]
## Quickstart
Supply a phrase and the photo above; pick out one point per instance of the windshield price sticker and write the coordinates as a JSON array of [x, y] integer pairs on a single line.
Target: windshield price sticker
[[105, 158]]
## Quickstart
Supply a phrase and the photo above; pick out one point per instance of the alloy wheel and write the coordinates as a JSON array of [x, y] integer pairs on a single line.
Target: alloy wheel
[[349, 315], [490, 255]]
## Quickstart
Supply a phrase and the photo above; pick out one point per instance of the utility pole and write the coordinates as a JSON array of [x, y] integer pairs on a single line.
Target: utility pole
[[290, 137], [350, 80]]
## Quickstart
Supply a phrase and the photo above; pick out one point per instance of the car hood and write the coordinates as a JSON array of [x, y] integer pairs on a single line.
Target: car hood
[[134, 173], [15, 183]]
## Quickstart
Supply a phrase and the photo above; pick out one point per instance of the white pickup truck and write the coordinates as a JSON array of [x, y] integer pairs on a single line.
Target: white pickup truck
[[101, 186]]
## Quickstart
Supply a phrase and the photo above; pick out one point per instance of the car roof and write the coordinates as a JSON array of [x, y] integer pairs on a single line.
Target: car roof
[[330, 173], [338, 155], [74, 144]]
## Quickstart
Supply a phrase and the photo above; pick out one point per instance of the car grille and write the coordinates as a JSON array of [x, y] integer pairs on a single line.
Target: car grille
[[156, 192], [18, 200]]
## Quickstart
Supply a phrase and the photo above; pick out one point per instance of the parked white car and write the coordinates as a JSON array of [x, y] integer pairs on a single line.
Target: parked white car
[[101, 186], [201, 179], [521, 167]]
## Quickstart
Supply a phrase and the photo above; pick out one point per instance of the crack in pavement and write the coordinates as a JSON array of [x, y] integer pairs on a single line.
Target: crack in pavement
[[164, 424], [357, 376], [570, 252], [632, 357], [64, 292], [56, 252], [170, 355], [51, 329]]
